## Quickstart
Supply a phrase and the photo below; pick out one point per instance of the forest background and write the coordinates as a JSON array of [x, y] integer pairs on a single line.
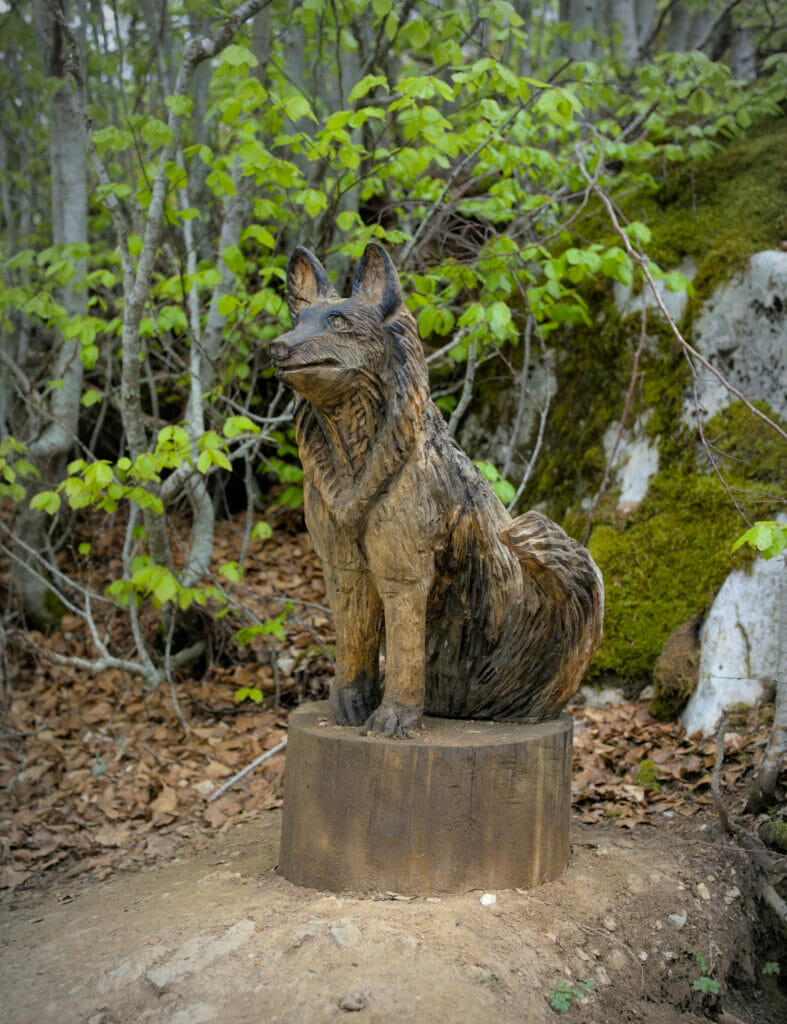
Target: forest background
[[158, 164]]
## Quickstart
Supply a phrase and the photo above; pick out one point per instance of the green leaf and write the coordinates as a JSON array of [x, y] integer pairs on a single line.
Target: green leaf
[[166, 588], [636, 229], [262, 531], [238, 57], [46, 501], [181, 106], [155, 133], [239, 425], [233, 259], [766, 536], [676, 282], [292, 497], [248, 693], [85, 548], [231, 571], [91, 397], [489, 472], [226, 305], [296, 107], [504, 490], [260, 234], [366, 85], [347, 220], [499, 316]]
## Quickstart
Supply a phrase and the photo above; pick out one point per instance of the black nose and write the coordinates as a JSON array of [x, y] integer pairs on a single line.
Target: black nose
[[281, 348]]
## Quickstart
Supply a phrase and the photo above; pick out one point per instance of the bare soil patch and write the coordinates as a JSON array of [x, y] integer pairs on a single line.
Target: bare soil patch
[[215, 934], [127, 895]]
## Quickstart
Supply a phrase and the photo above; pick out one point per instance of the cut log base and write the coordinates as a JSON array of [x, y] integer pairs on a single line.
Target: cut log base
[[463, 805]]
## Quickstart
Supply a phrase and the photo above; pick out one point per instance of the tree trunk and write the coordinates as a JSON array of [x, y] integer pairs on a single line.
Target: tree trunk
[[678, 38], [623, 22], [743, 58], [580, 14], [69, 225]]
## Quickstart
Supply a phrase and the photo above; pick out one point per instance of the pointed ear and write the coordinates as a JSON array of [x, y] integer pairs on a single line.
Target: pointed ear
[[376, 282], [307, 281]]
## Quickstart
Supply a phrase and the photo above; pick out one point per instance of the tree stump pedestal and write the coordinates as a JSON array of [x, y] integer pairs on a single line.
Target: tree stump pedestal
[[462, 805]]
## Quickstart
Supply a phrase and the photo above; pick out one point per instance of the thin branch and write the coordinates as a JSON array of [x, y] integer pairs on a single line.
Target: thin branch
[[653, 31], [706, 38], [520, 408], [467, 388], [245, 771], [543, 410], [715, 787]]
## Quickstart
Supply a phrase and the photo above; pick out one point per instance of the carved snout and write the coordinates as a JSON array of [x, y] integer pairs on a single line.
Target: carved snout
[[282, 348]]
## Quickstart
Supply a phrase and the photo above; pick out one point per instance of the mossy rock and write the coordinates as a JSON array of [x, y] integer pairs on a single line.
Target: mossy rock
[[677, 670], [722, 210], [774, 834], [661, 567]]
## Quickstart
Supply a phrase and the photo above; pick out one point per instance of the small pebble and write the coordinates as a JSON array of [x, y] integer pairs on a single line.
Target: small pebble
[[610, 924], [617, 960], [703, 892], [352, 1001], [488, 899], [677, 920]]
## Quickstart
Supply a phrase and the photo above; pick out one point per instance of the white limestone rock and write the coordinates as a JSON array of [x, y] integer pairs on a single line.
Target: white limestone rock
[[744, 643], [742, 331], [636, 461]]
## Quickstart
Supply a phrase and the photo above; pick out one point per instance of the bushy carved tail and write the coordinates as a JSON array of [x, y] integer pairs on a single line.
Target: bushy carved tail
[[559, 564], [573, 620]]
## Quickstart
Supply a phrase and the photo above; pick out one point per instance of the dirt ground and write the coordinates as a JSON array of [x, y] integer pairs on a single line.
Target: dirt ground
[[215, 934], [128, 895]]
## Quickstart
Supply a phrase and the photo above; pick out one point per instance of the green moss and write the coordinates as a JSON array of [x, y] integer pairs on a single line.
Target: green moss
[[774, 832], [591, 377], [647, 775], [666, 706], [749, 449], [660, 567], [721, 211]]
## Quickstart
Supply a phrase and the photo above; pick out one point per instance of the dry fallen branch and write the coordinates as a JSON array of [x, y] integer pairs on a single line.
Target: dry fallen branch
[[245, 771]]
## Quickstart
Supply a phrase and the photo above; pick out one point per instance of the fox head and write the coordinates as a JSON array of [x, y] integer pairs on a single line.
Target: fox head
[[338, 346]]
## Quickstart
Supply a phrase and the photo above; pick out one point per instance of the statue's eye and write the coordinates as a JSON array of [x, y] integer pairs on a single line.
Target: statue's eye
[[339, 322]]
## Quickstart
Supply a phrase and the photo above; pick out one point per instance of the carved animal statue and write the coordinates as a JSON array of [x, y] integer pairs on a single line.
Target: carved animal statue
[[483, 616]]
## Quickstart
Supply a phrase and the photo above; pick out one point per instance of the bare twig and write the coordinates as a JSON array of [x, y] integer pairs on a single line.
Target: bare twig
[[543, 409], [715, 787], [245, 771], [703, 41], [467, 388], [520, 408]]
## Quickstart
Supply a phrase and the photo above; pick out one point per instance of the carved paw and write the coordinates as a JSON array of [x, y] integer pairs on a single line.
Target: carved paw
[[352, 704], [395, 720]]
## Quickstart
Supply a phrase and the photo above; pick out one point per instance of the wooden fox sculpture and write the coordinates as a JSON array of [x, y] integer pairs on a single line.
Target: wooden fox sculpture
[[483, 616]]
